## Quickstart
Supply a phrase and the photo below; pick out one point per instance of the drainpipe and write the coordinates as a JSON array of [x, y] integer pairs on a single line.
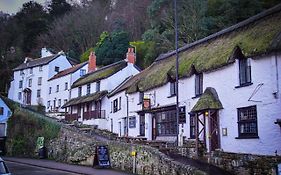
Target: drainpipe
[[127, 120], [276, 94]]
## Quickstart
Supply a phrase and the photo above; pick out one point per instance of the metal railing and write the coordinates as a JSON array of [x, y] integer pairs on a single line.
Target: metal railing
[[96, 114]]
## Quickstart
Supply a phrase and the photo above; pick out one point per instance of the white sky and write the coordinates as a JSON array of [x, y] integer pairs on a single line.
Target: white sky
[[13, 6]]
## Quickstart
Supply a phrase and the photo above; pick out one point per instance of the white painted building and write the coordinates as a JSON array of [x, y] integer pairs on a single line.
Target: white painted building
[[30, 84], [60, 84], [229, 91], [5, 113], [89, 103]]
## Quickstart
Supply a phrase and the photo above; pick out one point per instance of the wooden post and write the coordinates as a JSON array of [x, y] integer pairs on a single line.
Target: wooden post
[[196, 135]]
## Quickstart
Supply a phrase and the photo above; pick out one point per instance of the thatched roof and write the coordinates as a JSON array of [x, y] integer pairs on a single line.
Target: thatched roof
[[208, 101], [84, 99], [100, 74], [255, 36]]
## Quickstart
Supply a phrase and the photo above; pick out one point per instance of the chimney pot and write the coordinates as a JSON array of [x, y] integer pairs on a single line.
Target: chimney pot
[[92, 62], [131, 57]]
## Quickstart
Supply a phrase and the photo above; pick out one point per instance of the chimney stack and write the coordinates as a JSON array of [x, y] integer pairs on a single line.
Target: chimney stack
[[92, 62], [131, 56]]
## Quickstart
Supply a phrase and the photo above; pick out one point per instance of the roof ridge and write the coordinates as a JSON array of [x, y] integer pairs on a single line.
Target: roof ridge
[[241, 24]]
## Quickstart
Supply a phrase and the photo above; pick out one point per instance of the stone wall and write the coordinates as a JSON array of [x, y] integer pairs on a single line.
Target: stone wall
[[245, 163], [76, 147]]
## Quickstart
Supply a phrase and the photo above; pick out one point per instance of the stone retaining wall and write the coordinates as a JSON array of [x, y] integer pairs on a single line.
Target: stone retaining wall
[[245, 163], [76, 147]]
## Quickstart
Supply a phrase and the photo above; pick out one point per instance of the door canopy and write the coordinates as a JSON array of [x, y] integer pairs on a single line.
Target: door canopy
[[208, 101]]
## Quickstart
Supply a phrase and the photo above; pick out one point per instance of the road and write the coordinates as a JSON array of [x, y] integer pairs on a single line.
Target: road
[[22, 169]]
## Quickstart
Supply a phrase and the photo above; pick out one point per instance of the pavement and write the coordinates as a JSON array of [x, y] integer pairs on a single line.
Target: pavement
[[49, 164]]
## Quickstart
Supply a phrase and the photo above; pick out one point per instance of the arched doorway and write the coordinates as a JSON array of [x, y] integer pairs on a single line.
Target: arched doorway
[[27, 96]]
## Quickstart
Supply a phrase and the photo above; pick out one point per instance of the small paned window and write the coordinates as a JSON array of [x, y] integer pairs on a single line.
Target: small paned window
[[38, 93], [172, 88], [244, 71], [57, 69], [88, 89], [65, 86], [31, 71], [198, 84], [79, 91], [39, 80], [247, 122], [82, 72], [40, 68], [58, 88], [30, 82], [192, 126], [50, 90], [98, 86], [115, 105], [20, 84], [141, 96]]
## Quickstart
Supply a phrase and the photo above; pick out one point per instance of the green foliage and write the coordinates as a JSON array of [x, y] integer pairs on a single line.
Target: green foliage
[[111, 47], [85, 56], [58, 8]]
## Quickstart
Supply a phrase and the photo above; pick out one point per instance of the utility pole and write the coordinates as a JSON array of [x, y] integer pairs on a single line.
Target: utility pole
[[177, 69]]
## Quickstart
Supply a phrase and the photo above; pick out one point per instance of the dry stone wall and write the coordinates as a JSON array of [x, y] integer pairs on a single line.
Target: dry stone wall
[[73, 146]]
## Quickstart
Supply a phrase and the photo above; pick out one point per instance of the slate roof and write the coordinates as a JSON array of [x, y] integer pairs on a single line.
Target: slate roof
[[209, 100], [84, 99], [100, 74], [258, 35], [68, 71]]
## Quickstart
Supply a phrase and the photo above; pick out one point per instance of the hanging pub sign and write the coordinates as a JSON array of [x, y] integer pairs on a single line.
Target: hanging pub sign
[[146, 104], [102, 157]]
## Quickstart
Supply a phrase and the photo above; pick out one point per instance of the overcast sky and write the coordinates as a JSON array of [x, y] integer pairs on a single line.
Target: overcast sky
[[13, 6]]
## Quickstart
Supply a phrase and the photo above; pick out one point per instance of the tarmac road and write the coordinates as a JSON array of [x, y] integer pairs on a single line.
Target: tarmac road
[[22, 169]]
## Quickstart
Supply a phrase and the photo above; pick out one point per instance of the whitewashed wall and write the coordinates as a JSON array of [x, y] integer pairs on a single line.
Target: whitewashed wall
[[3, 118]]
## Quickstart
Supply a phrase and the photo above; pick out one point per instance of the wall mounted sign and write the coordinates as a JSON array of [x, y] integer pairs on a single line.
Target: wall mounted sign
[[132, 122], [146, 104], [102, 157]]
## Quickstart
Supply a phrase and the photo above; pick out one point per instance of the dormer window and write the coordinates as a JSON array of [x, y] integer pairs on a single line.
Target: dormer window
[[198, 84], [57, 69], [40, 68], [172, 88], [244, 72]]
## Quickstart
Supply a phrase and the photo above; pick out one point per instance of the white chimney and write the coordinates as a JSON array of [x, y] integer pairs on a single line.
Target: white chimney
[[45, 52]]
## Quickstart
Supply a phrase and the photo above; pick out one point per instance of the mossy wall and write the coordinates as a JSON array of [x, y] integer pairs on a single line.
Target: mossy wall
[[24, 127]]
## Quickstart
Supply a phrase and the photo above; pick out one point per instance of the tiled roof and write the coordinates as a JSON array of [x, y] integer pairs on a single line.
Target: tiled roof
[[84, 99], [100, 74], [68, 71]]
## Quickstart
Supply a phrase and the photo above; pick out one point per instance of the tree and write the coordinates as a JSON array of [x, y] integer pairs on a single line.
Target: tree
[[58, 8], [111, 47]]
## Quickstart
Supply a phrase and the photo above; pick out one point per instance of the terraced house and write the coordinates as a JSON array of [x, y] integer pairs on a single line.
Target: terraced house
[[89, 103], [229, 91]]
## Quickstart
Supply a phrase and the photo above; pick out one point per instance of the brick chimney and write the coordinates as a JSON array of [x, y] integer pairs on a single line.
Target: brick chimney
[[92, 62], [131, 56]]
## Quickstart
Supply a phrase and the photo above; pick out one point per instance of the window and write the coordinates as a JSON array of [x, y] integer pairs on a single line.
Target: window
[[65, 86], [198, 84], [1, 110], [38, 93], [65, 100], [247, 122], [115, 105], [40, 68], [30, 82], [82, 72], [141, 95], [79, 91], [192, 126], [111, 107], [142, 125], [21, 72], [244, 71], [31, 71], [20, 84], [59, 102], [58, 88], [88, 89], [49, 104], [50, 90], [57, 69], [166, 123], [98, 86], [19, 95], [119, 103], [39, 80], [172, 88]]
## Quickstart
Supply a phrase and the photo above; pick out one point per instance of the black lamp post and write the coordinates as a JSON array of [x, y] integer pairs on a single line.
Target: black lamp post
[[177, 69]]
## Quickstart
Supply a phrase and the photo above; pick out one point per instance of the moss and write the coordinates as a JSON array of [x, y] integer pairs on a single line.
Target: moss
[[254, 39], [100, 74], [208, 100]]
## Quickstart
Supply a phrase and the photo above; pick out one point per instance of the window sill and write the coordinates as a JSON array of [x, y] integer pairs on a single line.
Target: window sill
[[196, 96], [244, 85], [247, 137], [171, 96]]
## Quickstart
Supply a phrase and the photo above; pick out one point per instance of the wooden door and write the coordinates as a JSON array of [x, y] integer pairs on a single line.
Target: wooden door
[[154, 134], [214, 131], [142, 125]]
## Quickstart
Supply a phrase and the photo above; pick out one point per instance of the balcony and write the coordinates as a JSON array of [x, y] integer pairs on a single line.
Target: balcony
[[97, 114], [71, 117]]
